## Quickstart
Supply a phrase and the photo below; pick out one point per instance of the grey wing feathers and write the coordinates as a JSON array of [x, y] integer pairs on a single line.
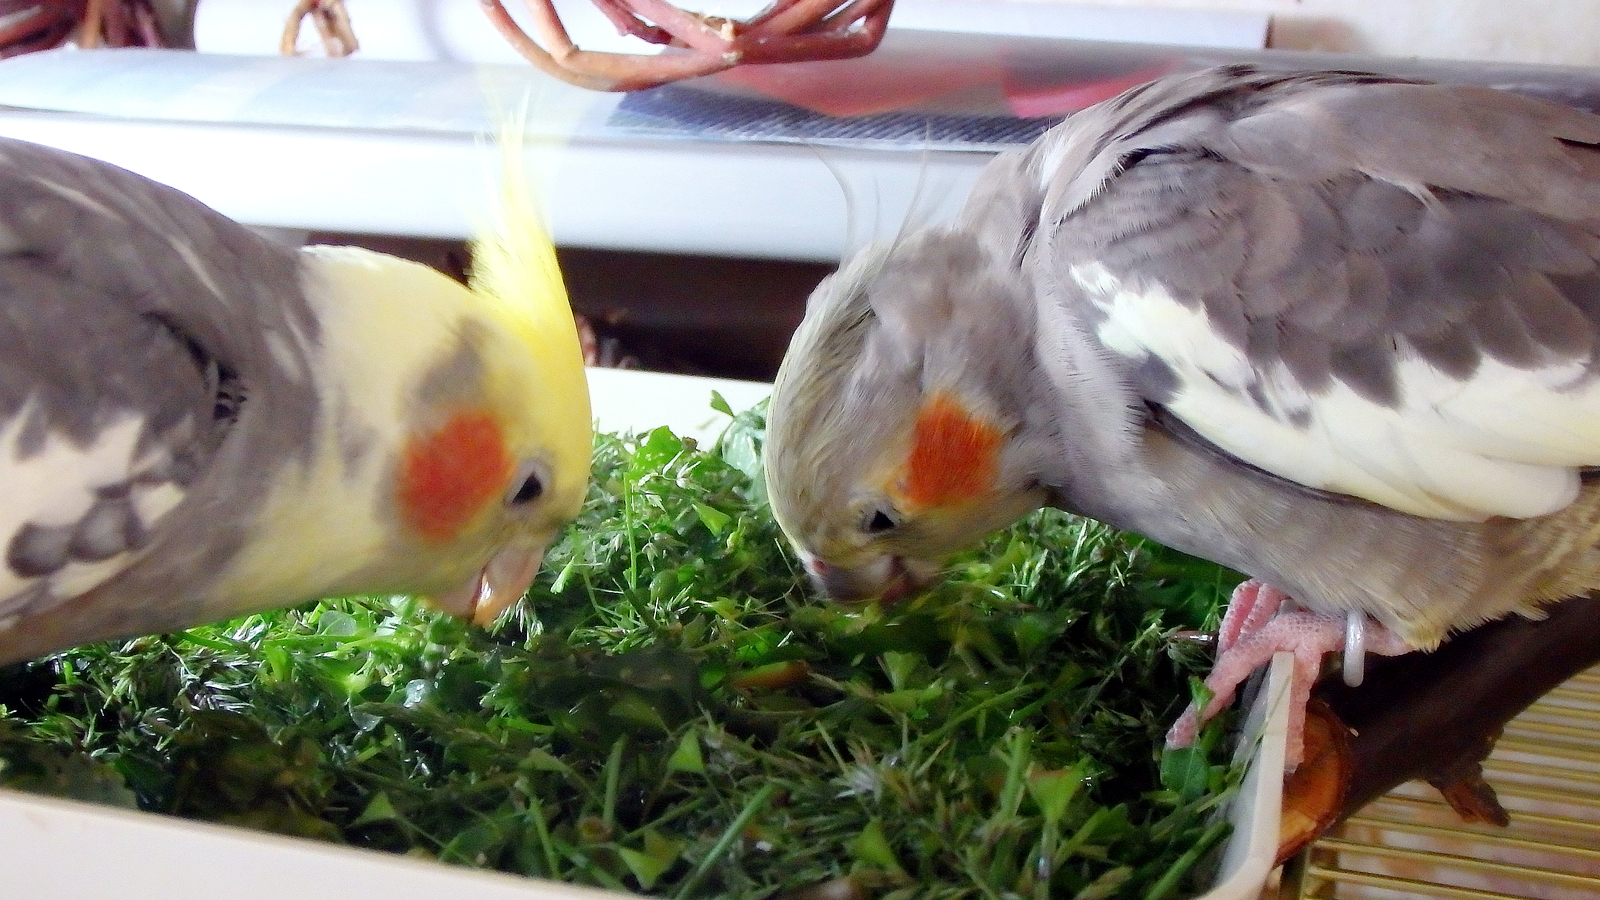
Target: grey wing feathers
[[1288, 256], [162, 251], [127, 311], [1354, 210]]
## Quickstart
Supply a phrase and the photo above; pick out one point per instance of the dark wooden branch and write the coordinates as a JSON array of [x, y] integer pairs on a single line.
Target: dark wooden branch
[[1435, 716]]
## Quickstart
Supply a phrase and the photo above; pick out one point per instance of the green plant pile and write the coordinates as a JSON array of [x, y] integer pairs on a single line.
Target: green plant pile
[[672, 712]]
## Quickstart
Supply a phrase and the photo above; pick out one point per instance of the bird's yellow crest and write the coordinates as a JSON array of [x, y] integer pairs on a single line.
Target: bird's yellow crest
[[516, 275]]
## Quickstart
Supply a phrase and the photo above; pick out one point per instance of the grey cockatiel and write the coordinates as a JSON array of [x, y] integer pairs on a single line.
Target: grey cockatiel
[[197, 423], [1334, 330]]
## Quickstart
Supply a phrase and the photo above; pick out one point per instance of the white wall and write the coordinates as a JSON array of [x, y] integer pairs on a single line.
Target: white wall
[[1548, 31], [1544, 31]]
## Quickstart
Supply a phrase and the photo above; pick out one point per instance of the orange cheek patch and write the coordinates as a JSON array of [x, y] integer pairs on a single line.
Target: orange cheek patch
[[953, 457], [448, 475]]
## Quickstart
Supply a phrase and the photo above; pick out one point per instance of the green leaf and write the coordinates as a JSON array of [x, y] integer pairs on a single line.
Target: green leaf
[[715, 520], [379, 809], [686, 757], [544, 761], [903, 668], [871, 846], [338, 623], [1109, 884], [1186, 772], [636, 710], [1054, 790], [646, 867]]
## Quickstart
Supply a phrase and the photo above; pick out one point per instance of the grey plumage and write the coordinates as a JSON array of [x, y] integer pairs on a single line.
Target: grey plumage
[[1335, 330], [127, 305], [1337, 214], [1332, 226]]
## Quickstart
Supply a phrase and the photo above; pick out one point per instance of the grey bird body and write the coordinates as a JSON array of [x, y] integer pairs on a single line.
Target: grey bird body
[[1368, 250], [1333, 330]]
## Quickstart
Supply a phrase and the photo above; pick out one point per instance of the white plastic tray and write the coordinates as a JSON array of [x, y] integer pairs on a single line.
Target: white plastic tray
[[55, 848]]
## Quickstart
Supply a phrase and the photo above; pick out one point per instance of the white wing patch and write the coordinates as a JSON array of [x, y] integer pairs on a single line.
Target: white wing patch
[[152, 501], [1504, 442], [56, 486]]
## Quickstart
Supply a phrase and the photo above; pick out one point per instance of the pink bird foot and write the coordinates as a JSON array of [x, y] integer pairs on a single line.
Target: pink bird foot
[[1251, 607], [1254, 628]]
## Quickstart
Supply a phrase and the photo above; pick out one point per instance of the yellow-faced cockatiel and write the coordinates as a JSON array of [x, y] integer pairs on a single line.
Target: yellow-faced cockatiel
[[1337, 331], [196, 422]]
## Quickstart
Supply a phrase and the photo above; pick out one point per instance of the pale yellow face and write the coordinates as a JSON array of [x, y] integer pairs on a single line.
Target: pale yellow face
[[485, 491], [453, 446], [514, 454], [525, 441]]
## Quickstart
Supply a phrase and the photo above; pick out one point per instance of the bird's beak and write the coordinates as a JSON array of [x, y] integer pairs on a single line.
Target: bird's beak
[[886, 577], [501, 582]]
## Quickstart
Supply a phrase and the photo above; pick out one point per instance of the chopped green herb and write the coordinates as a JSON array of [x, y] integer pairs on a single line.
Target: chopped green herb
[[671, 711]]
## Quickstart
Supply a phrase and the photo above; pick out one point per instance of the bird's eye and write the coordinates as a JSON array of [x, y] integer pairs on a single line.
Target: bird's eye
[[878, 522], [528, 488]]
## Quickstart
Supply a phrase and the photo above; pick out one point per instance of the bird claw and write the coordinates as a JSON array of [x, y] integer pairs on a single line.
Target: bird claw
[[1254, 628]]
